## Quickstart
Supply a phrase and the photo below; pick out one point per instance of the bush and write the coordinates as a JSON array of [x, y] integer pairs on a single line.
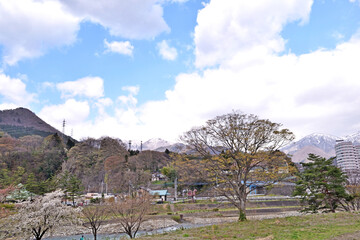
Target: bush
[[176, 218], [95, 200], [215, 210], [7, 206], [169, 213]]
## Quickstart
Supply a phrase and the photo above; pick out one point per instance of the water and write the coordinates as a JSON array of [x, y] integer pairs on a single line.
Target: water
[[117, 236]]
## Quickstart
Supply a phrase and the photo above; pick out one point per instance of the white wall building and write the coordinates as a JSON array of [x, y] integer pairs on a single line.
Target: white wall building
[[347, 156]]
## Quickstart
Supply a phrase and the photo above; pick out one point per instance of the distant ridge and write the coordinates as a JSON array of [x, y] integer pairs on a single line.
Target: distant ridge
[[22, 122], [317, 143]]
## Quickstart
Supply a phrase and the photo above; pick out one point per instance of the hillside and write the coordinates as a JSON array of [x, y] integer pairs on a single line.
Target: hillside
[[22, 122], [97, 161]]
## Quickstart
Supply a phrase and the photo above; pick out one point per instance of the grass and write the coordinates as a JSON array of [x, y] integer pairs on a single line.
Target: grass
[[319, 226], [217, 210]]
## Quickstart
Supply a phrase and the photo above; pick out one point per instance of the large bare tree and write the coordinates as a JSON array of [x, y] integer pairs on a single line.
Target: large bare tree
[[95, 215], [239, 151], [131, 210]]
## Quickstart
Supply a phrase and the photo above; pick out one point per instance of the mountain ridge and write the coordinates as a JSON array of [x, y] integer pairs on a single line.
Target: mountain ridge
[[22, 122]]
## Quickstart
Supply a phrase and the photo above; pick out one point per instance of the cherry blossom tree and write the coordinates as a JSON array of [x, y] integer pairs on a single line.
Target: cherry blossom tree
[[42, 216]]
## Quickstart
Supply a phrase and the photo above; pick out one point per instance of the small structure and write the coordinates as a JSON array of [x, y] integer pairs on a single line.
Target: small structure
[[160, 194], [157, 177], [19, 194]]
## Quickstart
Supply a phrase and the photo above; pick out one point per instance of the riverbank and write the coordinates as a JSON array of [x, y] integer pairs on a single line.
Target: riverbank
[[161, 224], [334, 226]]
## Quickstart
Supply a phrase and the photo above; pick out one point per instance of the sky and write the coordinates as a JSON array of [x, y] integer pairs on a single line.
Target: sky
[[141, 69]]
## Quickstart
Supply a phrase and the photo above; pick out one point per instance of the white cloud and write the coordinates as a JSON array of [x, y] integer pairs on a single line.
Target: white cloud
[[119, 47], [7, 106], [134, 19], [91, 87], [74, 112], [103, 103], [167, 52], [134, 90], [314, 92], [13, 92], [129, 101], [227, 28], [29, 27]]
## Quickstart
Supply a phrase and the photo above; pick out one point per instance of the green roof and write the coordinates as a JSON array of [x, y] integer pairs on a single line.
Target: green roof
[[159, 192]]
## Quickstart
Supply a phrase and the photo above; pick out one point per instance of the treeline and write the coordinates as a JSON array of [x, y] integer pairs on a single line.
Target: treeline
[[30, 158], [102, 164]]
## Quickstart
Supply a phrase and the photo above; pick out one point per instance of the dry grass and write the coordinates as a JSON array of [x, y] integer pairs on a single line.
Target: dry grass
[[321, 226]]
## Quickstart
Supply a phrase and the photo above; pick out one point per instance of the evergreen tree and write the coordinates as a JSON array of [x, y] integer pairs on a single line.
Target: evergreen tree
[[32, 185], [321, 185], [71, 185], [74, 188]]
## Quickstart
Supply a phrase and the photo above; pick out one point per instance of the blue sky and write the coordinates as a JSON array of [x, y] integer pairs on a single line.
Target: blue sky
[[139, 69]]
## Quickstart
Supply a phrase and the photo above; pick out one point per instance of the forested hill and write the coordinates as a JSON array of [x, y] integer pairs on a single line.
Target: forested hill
[[37, 155], [22, 122]]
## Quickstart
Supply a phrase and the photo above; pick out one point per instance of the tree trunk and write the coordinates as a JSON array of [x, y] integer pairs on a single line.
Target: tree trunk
[[94, 233], [242, 209]]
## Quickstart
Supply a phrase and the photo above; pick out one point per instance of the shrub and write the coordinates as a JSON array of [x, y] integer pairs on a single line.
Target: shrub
[[7, 206], [176, 218], [95, 200]]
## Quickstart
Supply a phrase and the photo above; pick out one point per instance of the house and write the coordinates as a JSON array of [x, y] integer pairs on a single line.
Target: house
[[157, 177], [161, 195], [19, 194]]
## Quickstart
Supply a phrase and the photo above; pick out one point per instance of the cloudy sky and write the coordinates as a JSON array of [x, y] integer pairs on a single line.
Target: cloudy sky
[[139, 69]]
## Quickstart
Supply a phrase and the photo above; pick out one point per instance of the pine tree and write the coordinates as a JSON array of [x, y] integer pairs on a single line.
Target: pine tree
[[321, 185], [32, 185], [74, 188]]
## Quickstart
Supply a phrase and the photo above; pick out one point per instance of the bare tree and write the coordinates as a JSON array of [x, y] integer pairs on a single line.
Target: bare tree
[[41, 216], [353, 189], [239, 152], [95, 216], [4, 192], [130, 212]]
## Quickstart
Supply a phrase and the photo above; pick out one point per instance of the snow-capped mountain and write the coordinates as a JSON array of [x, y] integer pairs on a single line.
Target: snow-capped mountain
[[155, 143], [324, 142], [176, 148], [354, 138], [316, 143]]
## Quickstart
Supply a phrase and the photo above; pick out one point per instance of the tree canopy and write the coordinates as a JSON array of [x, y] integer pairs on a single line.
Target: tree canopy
[[41, 216], [321, 185], [238, 151]]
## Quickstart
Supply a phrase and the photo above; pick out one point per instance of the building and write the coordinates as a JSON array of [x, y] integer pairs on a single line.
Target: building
[[160, 195], [347, 156]]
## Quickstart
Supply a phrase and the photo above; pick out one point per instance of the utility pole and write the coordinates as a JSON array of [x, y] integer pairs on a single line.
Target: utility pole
[[63, 129], [175, 183], [141, 146]]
